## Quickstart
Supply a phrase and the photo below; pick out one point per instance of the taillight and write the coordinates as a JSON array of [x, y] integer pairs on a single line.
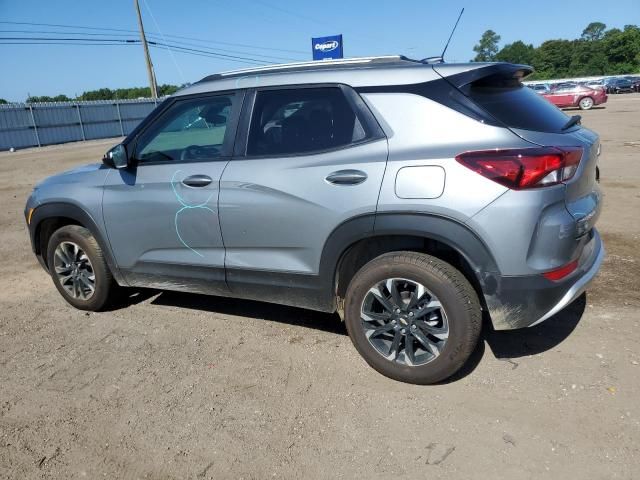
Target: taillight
[[524, 168]]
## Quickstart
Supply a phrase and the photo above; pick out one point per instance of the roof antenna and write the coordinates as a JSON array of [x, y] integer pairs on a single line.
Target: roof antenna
[[440, 59]]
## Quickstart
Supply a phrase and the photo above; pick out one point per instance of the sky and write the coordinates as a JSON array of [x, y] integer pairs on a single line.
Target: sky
[[274, 31]]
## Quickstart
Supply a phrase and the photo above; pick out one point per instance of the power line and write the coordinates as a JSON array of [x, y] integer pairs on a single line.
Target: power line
[[202, 40], [69, 26], [253, 54], [123, 40], [117, 41], [52, 32], [306, 18], [272, 57], [62, 43], [292, 13], [221, 55], [206, 55]]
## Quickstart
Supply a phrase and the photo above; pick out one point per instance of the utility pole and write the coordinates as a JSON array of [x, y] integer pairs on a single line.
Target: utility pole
[[147, 57]]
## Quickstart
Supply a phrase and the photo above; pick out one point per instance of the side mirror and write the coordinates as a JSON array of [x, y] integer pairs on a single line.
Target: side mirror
[[117, 157]]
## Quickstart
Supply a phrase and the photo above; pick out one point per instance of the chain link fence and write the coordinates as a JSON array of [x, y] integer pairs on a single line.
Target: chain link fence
[[25, 125]]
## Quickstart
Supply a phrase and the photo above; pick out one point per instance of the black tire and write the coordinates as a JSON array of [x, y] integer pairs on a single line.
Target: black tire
[[104, 283], [456, 295]]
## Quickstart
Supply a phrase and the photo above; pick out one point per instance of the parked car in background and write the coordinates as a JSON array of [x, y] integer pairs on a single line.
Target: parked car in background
[[595, 84], [564, 85], [619, 85], [540, 88], [635, 82], [576, 96]]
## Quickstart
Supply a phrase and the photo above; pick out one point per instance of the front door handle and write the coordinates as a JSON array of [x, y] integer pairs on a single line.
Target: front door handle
[[197, 181], [346, 177]]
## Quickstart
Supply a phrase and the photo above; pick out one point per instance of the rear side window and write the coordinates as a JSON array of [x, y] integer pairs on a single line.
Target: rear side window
[[299, 121], [516, 106]]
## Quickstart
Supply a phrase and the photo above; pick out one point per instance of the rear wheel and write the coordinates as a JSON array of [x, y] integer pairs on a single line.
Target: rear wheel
[[413, 317], [586, 103], [78, 268]]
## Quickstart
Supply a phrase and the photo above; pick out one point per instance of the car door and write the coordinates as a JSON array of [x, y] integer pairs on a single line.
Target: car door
[[311, 158], [561, 97], [161, 214]]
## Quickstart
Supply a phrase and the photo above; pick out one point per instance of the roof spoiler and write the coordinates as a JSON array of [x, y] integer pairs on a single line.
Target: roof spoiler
[[464, 74]]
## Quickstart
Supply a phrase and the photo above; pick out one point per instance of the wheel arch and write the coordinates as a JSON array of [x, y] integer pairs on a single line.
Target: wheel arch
[[359, 240], [49, 217]]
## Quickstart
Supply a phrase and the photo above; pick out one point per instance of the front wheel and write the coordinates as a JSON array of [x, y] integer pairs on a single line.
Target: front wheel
[[78, 268], [413, 317], [586, 103]]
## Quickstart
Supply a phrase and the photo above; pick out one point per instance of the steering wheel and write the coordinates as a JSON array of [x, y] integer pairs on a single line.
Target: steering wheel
[[191, 152]]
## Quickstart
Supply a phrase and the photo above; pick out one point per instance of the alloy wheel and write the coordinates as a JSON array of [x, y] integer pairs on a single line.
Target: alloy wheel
[[586, 103], [74, 270], [404, 321]]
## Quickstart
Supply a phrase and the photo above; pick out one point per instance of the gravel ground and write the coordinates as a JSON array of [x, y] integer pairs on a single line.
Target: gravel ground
[[186, 386]]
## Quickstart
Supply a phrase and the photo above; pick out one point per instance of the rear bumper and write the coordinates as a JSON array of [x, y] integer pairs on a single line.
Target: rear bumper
[[577, 288], [518, 302]]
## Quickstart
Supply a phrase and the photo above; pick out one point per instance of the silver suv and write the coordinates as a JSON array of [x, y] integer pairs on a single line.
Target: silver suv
[[413, 198]]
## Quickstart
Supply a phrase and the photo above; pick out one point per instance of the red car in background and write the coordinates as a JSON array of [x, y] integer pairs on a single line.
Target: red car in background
[[565, 96]]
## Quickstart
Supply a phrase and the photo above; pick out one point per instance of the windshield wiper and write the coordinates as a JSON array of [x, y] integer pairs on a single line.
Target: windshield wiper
[[575, 120]]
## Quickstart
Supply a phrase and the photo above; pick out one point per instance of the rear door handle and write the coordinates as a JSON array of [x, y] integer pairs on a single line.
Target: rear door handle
[[346, 177], [197, 181]]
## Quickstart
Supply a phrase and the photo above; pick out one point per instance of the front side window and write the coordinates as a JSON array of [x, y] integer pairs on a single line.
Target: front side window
[[189, 130], [298, 121]]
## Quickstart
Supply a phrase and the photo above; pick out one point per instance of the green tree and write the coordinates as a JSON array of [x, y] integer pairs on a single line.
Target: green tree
[[593, 31], [127, 93], [100, 94], [516, 52], [598, 51], [487, 48], [622, 48], [46, 98], [552, 59], [589, 58], [167, 90], [3, 101]]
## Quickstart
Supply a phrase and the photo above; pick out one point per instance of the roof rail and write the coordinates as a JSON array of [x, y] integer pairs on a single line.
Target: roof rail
[[305, 65]]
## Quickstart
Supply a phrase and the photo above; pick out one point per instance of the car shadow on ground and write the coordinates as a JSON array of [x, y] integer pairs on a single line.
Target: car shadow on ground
[[325, 322], [504, 345], [507, 344]]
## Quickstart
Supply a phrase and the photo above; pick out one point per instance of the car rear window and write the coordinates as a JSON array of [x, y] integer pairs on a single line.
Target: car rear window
[[516, 106]]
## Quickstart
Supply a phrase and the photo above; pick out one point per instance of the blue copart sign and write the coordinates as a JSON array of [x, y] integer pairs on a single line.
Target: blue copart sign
[[327, 47]]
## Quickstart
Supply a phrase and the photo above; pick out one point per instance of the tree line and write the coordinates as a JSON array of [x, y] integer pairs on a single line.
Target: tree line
[[106, 94], [598, 51]]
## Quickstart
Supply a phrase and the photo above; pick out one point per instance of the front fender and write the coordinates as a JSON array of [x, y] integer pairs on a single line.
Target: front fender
[[78, 215]]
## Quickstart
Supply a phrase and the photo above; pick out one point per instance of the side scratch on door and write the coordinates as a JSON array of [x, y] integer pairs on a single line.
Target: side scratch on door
[[186, 206]]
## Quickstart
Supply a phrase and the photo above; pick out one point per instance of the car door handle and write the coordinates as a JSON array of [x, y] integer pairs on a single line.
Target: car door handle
[[346, 177], [197, 181]]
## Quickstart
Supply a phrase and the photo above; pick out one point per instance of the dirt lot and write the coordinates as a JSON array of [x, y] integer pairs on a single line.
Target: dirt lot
[[185, 386]]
